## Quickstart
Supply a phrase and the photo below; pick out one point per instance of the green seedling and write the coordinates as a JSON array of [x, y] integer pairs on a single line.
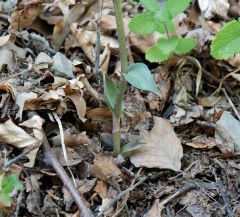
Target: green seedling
[[159, 19], [9, 184], [136, 74]]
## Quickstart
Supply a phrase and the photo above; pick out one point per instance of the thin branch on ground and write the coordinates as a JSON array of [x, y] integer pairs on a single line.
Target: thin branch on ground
[[25, 151], [187, 187], [50, 156], [118, 197], [222, 190]]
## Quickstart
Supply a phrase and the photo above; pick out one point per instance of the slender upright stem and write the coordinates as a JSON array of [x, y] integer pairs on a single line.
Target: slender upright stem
[[123, 83]]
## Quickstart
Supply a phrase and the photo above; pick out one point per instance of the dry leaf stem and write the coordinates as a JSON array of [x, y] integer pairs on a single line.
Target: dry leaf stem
[[123, 83], [85, 211]]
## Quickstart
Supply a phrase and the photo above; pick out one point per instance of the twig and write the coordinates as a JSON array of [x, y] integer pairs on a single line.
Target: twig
[[85, 211], [25, 151], [127, 194], [228, 89], [231, 103], [223, 195], [91, 90], [114, 200], [19, 198], [188, 186], [98, 44]]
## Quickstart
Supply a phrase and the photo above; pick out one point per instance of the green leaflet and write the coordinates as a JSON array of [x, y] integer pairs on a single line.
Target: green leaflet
[[140, 77], [9, 183], [143, 24], [164, 47], [164, 27], [176, 7], [185, 45], [226, 42], [151, 5], [110, 91]]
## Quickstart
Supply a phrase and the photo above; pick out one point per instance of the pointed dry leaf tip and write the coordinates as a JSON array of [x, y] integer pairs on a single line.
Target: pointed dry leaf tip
[[226, 42], [140, 77]]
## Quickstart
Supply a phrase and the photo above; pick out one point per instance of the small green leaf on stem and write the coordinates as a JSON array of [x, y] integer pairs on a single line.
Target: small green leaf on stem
[[140, 77], [143, 24], [151, 5], [110, 91], [162, 50], [185, 45], [176, 7]]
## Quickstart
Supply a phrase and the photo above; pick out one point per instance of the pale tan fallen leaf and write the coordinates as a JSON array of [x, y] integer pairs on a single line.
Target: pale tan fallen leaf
[[162, 148], [86, 40], [43, 58], [209, 8], [15, 136], [104, 168], [4, 39], [79, 103], [34, 123], [20, 101]]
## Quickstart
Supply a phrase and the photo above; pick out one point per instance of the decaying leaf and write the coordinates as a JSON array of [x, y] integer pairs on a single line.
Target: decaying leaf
[[162, 147], [16, 136], [104, 168]]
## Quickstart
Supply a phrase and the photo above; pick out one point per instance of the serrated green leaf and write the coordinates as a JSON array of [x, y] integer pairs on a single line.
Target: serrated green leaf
[[185, 45], [154, 54], [167, 45], [110, 91], [226, 42], [140, 77], [143, 24], [163, 15], [151, 5], [176, 7], [162, 50], [169, 26]]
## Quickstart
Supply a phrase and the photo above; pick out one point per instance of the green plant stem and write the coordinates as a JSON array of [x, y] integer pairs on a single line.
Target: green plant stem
[[123, 83]]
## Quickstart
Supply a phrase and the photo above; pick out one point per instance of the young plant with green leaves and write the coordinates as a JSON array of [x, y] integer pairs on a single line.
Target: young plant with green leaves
[[159, 19], [226, 42], [9, 184], [136, 74]]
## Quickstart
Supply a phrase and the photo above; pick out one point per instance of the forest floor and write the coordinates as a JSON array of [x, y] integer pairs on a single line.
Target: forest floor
[[51, 94]]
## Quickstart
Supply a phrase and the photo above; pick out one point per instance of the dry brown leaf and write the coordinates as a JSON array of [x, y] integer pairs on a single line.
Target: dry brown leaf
[[34, 123], [162, 148], [16, 136], [86, 40], [20, 101], [212, 7], [25, 17], [104, 168], [202, 142], [79, 103]]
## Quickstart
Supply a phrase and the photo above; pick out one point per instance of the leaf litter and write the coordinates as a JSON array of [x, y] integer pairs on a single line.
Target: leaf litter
[[189, 133]]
